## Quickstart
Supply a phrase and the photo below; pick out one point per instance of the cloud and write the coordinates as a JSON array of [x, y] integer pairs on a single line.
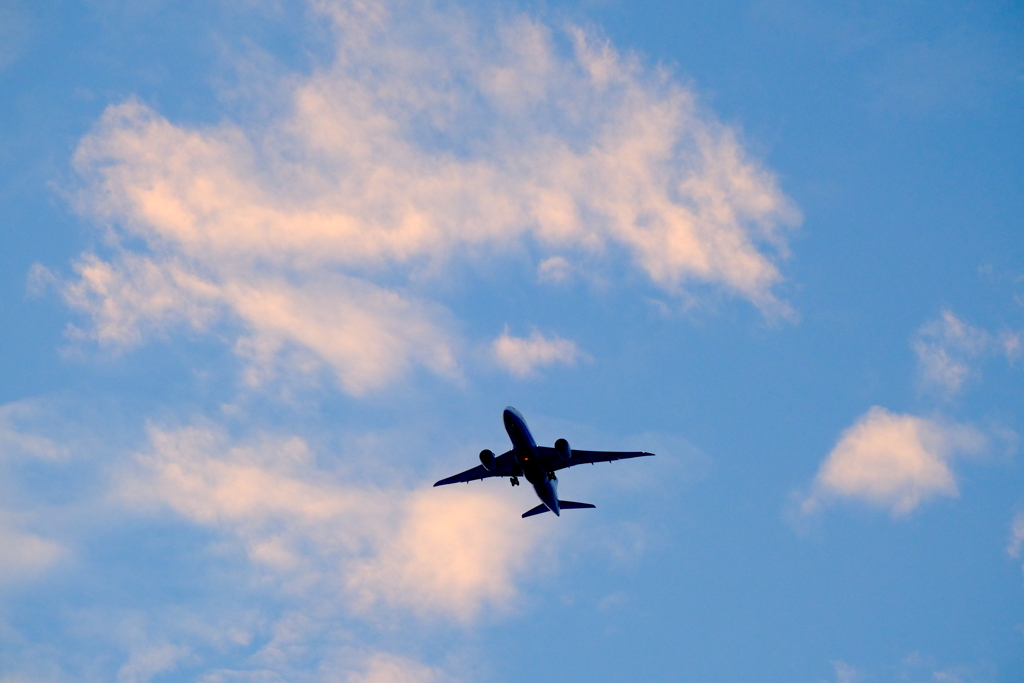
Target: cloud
[[892, 461], [17, 442], [247, 644], [846, 673], [944, 350], [1012, 343], [917, 666], [1016, 536], [523, 356], [432, 137], [446, 557], [144, 665], [293, 559], [554, 270], [947, 349], [386, 668], [440, 552], [25, 555], [949, 73], [16, 30]]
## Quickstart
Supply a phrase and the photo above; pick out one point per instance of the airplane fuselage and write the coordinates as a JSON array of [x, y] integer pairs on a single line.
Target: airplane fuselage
[[545, 484], [537, 464]]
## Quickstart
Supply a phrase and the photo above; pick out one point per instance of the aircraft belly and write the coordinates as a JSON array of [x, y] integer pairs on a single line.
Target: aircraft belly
[[535, 476]]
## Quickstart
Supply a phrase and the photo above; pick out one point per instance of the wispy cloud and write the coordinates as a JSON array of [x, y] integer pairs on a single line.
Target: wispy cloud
[[18, 442], [319, 555], [948, 349], [430, 137], [916, 666], [945, 349], [25, 555], [1016, 544], [430, 552], [846, 673], [524, 356], [1011, 344], [143, 665], [554, 270], [892, 461], [16, 30], [386, 668]]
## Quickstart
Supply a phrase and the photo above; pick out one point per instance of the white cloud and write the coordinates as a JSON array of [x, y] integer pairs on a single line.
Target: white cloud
[[944, 350], [446, 556], [554, 270], [917, 666], [387, 668], [948, 348], [431, 551], [309, 553], [613, 600], [1016, 536], [18, 442], [846, 673], [431, 137], [1012, 343], [523, 356], [167, 641], [144, 665], [892, 461], [16, 29], [25, 555]]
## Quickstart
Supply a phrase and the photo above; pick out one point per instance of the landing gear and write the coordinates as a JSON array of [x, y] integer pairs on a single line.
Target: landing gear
[[515, 481]]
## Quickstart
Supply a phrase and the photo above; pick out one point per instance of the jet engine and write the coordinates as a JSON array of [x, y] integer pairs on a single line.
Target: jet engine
[[563, 450], [487, 459]]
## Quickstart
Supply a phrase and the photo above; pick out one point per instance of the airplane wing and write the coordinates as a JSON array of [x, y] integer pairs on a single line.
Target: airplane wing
[[505, 465], [584, 457]]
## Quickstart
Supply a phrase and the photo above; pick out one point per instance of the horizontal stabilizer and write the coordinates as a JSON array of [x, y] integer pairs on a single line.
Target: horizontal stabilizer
[[569, 505], [562, 504], [535, 511]]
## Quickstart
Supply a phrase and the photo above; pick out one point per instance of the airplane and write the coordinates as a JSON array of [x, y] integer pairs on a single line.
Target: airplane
[[537, 463]]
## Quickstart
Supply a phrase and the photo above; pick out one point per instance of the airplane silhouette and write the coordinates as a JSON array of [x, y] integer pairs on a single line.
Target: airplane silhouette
[[537, 463]]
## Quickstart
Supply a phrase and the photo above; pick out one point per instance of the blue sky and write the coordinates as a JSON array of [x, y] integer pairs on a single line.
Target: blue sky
[[270, 269]]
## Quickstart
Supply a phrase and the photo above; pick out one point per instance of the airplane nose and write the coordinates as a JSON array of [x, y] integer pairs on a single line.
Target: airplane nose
[[511, 418]]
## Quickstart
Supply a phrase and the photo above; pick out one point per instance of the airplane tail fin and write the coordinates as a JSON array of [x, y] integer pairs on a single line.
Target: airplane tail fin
[[562, 504]]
